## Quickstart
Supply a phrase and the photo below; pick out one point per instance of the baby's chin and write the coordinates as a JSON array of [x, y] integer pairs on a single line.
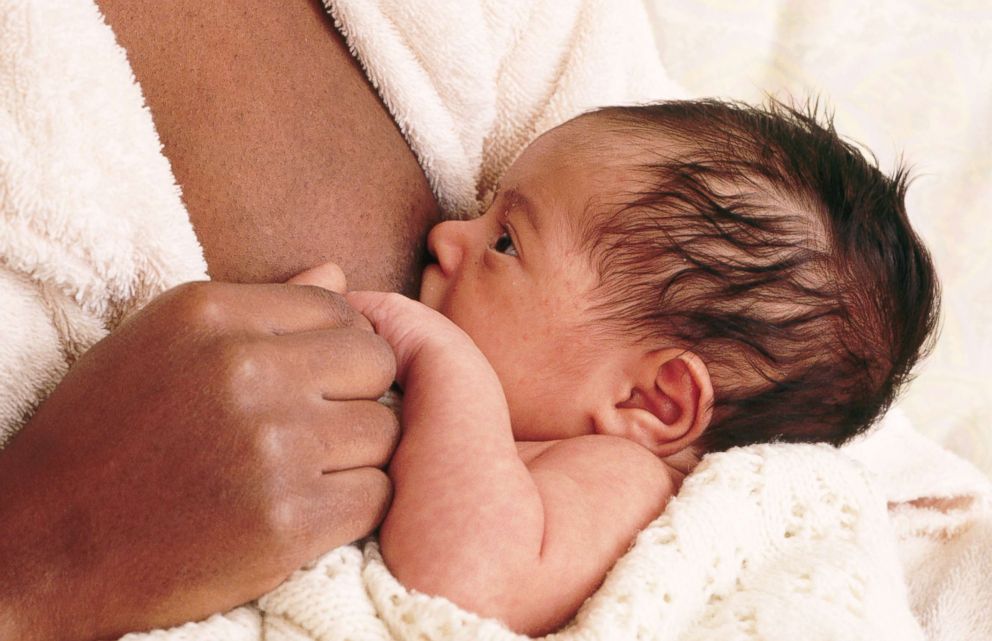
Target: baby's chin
[[432, 287]]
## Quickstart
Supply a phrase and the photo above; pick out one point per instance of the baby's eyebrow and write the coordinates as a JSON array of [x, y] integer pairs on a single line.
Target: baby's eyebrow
[[516, 199]]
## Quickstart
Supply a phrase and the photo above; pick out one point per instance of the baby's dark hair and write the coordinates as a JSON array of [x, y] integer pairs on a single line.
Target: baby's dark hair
[[773, 249]]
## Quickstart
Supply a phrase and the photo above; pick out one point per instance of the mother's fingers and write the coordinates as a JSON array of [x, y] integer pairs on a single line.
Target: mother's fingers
[[344, 507], [349, 434], [337, 364], [259, 309], [329, 276]]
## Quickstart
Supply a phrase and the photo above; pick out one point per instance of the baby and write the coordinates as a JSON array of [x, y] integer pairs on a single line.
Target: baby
[[649, 284]]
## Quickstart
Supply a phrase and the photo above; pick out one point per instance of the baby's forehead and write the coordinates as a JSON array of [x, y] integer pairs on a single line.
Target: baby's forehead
[[601, 136], [618, 161], [607, 153], [589, 139]]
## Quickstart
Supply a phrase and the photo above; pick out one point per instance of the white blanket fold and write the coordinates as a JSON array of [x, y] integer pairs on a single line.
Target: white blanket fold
[[91, 223], [766, 542]]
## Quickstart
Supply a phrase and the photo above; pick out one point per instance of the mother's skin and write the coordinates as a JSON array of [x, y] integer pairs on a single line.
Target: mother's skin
[[228, 432]]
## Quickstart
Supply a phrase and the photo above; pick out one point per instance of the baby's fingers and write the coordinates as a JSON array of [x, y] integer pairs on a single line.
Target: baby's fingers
[[387, 310], [394, 316], [408, 326]]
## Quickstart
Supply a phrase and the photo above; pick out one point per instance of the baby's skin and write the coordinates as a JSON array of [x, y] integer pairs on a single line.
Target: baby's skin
[[520, 531], [534, 446]]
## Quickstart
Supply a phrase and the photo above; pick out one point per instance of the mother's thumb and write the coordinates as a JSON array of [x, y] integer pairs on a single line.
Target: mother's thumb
[[329, 276]]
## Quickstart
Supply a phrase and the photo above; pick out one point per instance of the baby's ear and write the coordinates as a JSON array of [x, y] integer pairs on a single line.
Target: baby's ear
[[669, 405]]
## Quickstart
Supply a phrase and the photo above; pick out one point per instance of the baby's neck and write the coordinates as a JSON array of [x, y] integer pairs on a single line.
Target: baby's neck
[[679, 464], [530, 450]]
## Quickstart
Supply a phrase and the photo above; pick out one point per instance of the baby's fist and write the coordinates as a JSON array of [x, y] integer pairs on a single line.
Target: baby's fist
[[413, 329]]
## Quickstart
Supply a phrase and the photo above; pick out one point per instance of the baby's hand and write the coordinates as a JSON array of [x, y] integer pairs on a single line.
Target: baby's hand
[[415, 331]]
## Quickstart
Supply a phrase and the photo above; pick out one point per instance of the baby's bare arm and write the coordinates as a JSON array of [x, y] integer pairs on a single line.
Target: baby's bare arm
[[470, 521], [597, 492]]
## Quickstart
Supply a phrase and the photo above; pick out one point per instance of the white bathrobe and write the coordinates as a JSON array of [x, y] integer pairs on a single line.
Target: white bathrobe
[[766, 542]]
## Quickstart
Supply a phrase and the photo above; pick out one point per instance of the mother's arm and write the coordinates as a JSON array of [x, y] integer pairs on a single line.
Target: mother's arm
[[170, 453], [191, 460]]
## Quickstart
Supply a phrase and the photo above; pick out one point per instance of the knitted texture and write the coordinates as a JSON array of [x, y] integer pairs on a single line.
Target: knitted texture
[[765, 542]]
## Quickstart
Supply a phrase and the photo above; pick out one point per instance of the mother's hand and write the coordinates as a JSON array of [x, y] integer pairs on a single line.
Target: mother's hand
[[191, 460]]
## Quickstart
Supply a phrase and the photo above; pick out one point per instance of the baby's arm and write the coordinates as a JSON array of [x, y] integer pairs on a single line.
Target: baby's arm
[[470, 521]]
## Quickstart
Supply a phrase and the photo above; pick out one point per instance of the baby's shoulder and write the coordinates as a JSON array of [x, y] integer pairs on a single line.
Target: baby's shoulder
[[604, 458]]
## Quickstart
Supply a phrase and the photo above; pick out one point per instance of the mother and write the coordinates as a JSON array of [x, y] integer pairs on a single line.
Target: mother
[[234, 420]]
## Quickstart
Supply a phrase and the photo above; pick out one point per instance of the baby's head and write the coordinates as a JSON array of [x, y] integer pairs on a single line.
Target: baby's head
[[692, 273]]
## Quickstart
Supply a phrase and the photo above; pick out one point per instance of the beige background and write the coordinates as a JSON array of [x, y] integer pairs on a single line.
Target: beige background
[[910, 77]]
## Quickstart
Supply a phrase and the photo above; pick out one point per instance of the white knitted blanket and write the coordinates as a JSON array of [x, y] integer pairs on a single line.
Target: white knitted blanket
[[765, 542]]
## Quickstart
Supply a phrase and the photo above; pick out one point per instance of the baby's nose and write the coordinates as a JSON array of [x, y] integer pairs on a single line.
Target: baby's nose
[[446, 243]]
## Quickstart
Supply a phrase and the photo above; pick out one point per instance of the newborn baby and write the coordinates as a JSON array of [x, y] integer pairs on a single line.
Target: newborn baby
[[649, 284]]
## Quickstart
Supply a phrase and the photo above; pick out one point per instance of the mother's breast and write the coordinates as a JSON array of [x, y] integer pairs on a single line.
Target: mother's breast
[[285, 155]]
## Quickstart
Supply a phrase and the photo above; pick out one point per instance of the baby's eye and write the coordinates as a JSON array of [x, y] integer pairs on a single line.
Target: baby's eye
[[504, 244]]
